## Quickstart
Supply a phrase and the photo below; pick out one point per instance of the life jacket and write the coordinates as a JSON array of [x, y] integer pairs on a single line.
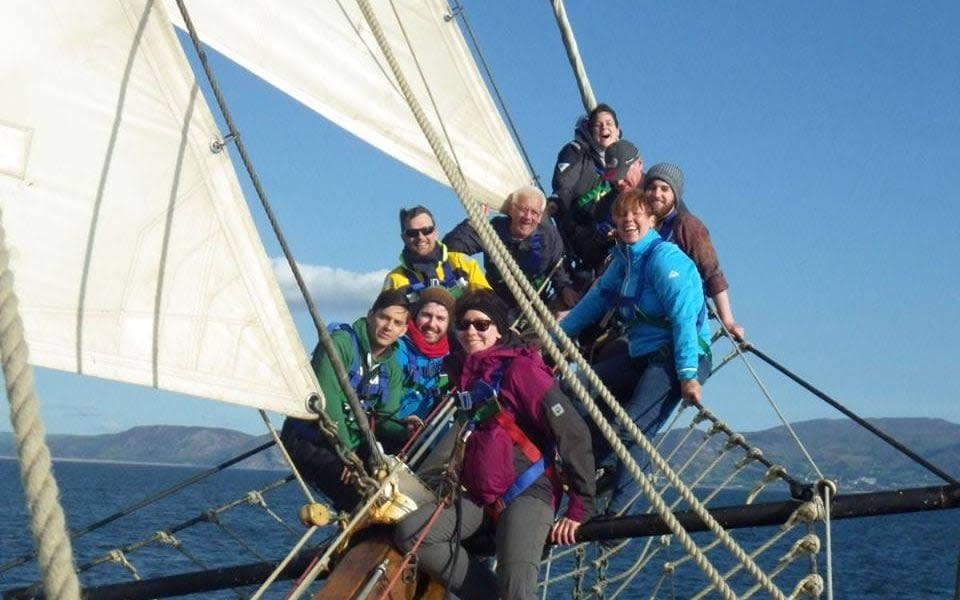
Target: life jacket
[[421, 371], [371, 388], [529, 262], [454, 280], [481, 403], [666, 227], [632, 302]]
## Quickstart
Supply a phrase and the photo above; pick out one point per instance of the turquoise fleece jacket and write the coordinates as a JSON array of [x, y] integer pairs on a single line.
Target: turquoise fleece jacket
[[670, 296]]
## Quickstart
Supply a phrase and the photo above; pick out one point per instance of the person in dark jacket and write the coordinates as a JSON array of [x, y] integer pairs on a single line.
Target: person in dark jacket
[[535, 245], [582, 196], [580, 163], [511, 488]]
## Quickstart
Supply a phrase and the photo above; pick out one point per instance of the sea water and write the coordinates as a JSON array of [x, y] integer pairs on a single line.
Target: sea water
[[910, 556]]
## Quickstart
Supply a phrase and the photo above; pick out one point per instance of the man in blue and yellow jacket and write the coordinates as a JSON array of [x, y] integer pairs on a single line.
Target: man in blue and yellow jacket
[[426, 263]]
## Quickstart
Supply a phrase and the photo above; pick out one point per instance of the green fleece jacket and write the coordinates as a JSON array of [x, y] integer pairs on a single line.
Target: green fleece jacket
[[386, 426]]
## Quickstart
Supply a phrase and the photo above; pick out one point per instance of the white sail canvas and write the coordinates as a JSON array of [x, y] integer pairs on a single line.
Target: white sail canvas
[[134, 253], [324, 55]]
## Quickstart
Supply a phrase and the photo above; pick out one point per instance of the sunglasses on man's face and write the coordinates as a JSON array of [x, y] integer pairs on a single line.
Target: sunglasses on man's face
[[480, 325], [415, 233]]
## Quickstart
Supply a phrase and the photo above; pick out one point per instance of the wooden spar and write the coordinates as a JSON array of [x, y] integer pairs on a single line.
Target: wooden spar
[[365, 570], [776, 513]]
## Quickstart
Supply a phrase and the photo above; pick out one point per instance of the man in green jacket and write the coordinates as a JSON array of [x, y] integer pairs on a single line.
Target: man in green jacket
[[365, 349]]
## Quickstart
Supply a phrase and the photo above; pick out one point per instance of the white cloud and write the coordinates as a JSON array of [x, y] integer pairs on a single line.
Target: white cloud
[[333, 290]]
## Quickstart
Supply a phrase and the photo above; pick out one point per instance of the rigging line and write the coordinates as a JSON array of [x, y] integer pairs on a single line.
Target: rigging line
[[459, 11], [286, 457], [856, 418], [146, 502], [423, 80], [769, 397], [294, 552], [356, 518], [362, 481], [519, 286], [573, 55]]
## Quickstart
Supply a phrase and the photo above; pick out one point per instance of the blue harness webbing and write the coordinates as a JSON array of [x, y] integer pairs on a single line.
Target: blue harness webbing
[[369, 389]]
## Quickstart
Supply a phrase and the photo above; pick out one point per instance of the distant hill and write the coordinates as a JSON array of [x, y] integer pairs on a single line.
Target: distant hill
[[844, 451], [847, 453], [163, 444]]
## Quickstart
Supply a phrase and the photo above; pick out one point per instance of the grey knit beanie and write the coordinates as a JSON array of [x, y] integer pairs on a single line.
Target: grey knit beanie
[[669, 174]]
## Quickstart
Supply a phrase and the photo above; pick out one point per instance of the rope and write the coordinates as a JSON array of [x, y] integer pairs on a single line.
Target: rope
[[283, 563], [769, 397], [462, 13], [36, 469], [519, 287], [364, 484], [856, 418], [286, 457], [426, 85], [77, 533], [573, 55], [441, 505]]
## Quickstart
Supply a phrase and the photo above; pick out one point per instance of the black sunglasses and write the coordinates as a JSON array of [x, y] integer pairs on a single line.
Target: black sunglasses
[[414, 233], [480, 325]]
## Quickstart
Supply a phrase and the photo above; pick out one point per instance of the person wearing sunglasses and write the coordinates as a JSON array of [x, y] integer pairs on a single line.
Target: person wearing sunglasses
[[365, 349], [656, 291], [533, 243], [426, 263], [515, 420]]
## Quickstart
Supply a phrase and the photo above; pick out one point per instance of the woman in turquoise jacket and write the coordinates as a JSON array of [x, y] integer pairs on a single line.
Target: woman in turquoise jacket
[[657, 291]]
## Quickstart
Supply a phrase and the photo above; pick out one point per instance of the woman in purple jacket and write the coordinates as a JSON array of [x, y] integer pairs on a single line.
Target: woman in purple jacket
[[518, 421]]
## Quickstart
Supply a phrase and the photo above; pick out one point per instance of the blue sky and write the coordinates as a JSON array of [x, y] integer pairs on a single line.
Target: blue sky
[[819, 142]]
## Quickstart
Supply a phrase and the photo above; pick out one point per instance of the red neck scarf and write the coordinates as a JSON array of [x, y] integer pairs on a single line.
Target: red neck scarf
[[435, 350]]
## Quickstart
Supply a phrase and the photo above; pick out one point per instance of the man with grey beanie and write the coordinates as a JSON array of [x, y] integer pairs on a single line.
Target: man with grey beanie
[[663, 187]]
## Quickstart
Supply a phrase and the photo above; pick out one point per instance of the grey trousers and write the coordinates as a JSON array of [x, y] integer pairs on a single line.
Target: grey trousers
[[521, 533]]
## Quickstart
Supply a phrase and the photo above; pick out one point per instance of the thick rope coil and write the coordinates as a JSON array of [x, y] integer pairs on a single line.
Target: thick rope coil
[[117, 556], [521, 288], [752, 455], [808, 512], [773, 473], [47, 522], [810, 586], [165, 538], [808, 544]]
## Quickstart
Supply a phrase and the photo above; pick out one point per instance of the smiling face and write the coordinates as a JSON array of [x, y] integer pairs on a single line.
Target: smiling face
[[633, 219], [660, 197], [632, 179], [433, 320], [604, 129], [525, 215], [420, 243], [385, 326], [469, 332]]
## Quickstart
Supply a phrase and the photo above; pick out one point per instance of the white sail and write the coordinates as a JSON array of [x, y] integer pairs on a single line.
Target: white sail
[[323, 54], [134, 253]]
